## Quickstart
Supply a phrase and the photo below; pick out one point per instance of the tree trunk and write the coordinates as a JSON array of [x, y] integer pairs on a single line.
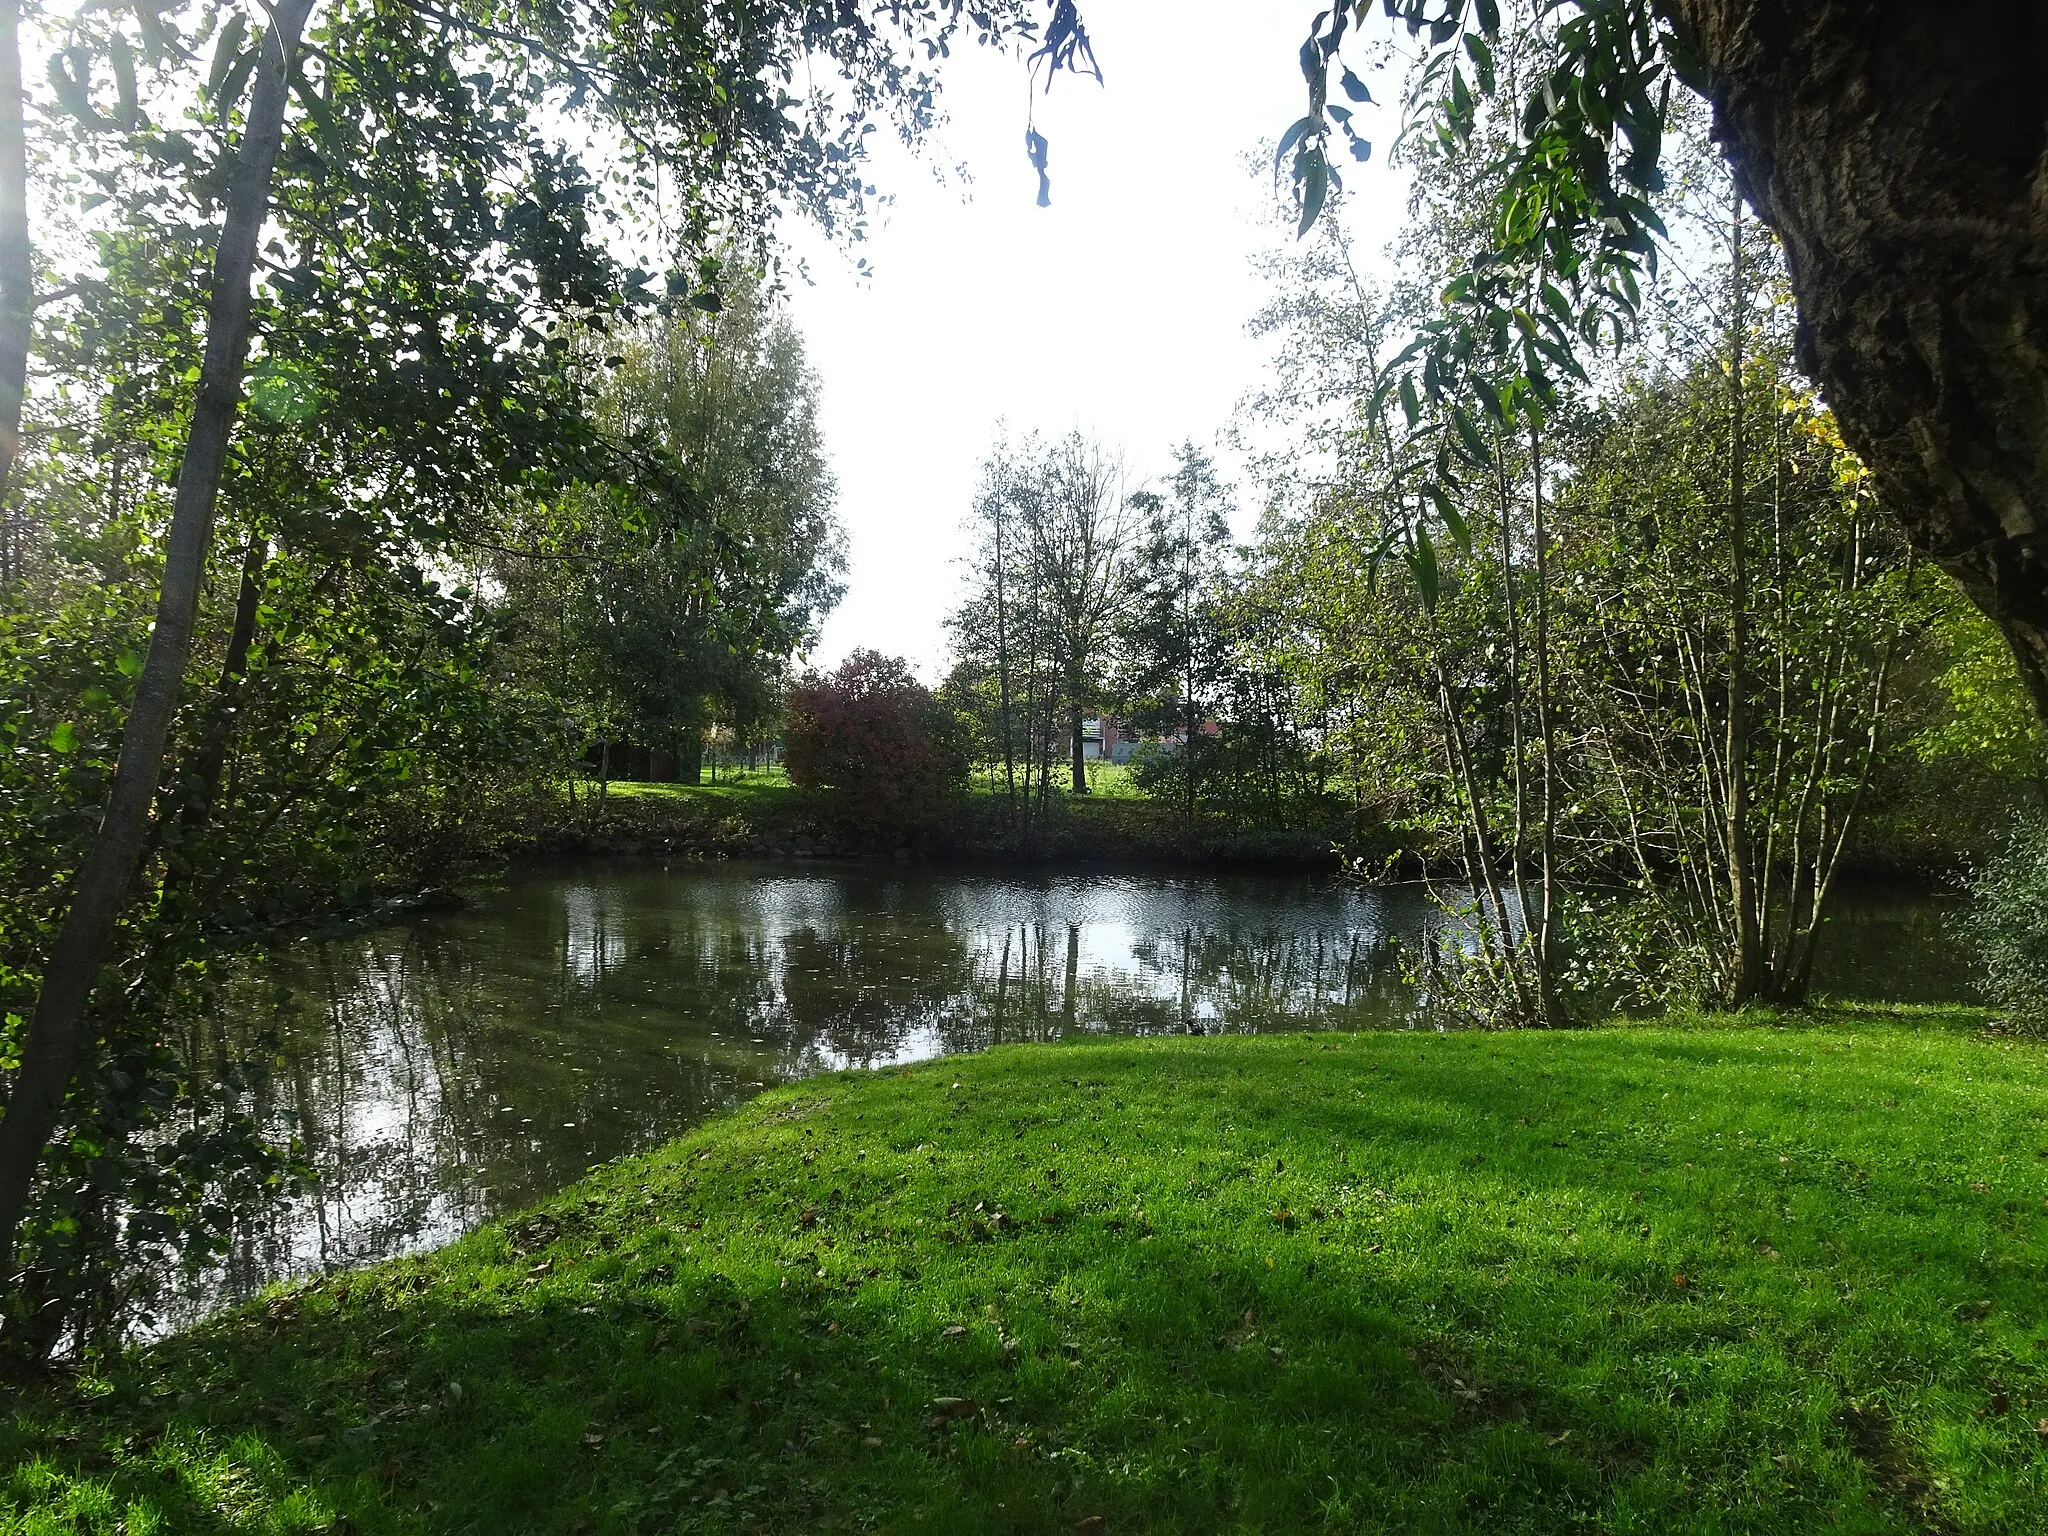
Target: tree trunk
[[17, 266], [1545, 926], [1749, 970], [202, 784], [1079, 764], [1900, 150], [55, 1044], [1001, 513]]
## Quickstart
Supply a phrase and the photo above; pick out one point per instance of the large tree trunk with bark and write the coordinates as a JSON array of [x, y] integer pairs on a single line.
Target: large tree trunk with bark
[[1900, 150]]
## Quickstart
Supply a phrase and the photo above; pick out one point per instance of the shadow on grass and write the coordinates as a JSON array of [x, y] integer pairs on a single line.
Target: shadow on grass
[[1643, 1280]]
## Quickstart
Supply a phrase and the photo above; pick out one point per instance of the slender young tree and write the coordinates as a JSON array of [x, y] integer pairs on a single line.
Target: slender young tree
[[53, 1045], [1081, 562], [17, 252]]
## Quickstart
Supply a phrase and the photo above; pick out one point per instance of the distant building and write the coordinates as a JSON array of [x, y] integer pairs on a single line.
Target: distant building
[[1107, 740], [1103, 742]]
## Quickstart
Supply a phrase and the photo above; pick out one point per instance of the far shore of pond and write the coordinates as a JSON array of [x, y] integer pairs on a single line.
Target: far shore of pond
[[760, 814]]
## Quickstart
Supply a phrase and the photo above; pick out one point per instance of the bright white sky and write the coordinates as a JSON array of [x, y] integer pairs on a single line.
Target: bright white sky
[[1120, 310]]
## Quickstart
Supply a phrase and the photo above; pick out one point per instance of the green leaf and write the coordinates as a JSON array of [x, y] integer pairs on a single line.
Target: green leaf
[[1292, 137], [226, 53], [1454, 520], [1315, 187], [129, 663], [1482, 61], [281, 393], [1355, 87], [325, 128], [1410, 405], [64, 738], [1490, 398], [1468, 435], [1422, 566], [231, 71]]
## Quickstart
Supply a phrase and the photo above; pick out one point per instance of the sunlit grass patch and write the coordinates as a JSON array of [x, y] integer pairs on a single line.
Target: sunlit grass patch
[[1644, 1279]]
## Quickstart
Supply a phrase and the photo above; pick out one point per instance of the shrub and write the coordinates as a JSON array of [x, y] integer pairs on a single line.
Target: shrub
[[877, 740], [2007, 923]]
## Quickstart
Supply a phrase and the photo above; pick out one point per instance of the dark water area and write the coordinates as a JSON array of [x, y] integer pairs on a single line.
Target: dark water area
[[451, 1068]]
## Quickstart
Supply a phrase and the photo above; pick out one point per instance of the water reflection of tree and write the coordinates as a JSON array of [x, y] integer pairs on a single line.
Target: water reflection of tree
[[433, 1082], [444, 1071], [865, 992]]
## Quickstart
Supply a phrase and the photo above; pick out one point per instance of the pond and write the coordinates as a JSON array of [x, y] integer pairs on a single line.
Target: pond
[[449, 1068]]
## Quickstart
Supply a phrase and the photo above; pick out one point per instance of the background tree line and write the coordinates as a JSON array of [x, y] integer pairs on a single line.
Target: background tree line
[[1653, 632]]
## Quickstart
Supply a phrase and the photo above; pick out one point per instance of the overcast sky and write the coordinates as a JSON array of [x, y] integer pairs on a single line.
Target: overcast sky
[[1121, 309]]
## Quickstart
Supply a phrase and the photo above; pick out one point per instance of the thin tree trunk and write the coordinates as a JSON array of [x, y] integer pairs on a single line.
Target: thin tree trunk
[[203, 783], [1003, 670], [17, 266], [54, 1047], [1741, 877], [1546, 922], [1079, 765], [1188, 642], [1481, 866], [1518, 743]]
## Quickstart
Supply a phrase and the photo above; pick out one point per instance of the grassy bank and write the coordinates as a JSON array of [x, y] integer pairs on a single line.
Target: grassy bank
[[1643, 1280]]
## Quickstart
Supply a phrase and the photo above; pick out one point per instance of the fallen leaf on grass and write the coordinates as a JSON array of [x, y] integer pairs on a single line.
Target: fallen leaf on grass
[[953, 1331]]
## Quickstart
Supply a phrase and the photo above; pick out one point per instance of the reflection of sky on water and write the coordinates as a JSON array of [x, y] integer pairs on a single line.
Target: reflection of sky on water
[[1239, 954], [451, 1068], [447, 1069]]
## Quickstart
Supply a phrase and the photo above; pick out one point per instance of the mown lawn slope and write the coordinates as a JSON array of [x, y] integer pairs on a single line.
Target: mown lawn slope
[[1635, 1280]]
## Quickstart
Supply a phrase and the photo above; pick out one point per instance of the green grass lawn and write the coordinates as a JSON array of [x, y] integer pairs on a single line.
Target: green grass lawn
[[1112, 781], [1644, 1279], [736, 789]]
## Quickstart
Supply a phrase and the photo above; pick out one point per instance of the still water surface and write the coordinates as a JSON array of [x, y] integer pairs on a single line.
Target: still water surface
[[450, 1068]]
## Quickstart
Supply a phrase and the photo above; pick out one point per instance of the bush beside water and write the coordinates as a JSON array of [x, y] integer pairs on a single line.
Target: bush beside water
[[2007, 924]]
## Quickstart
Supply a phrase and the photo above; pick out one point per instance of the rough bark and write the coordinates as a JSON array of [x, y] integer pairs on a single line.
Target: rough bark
[[1900, 150], [57, 1034]]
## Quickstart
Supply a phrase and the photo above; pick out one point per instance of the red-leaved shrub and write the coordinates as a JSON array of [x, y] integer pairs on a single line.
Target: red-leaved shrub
[[876, 739]]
